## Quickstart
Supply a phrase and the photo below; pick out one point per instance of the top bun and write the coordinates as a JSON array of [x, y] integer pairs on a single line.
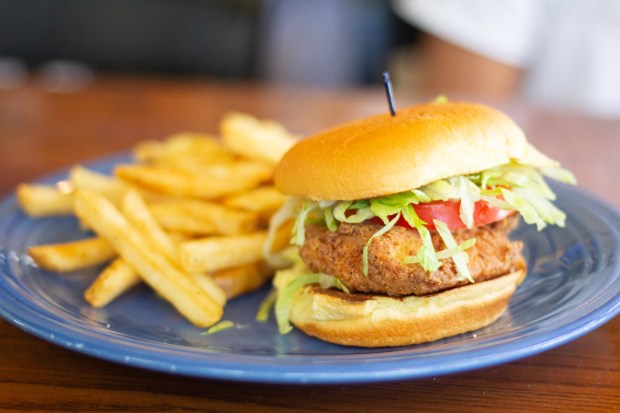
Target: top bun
[[383, 154]]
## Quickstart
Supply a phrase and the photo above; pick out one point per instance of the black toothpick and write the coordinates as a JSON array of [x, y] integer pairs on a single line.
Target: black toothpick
[[388, 92]]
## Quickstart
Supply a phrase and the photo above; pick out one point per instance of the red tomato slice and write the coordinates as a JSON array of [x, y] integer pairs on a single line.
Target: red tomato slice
[[448, 213]]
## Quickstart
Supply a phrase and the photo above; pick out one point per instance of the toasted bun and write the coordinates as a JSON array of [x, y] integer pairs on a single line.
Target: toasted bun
[[384, 154], [381, 321]]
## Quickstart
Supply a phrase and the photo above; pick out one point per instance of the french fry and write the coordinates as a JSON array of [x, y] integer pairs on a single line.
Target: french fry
[[173, 182], [263, 201], [201, 217], [173, 285], [114, 280], [44, 200], [216, 253], [255, 139], [149, 151], [192, 165], [181, 147], [138, 214], [178, 237], [82, 178], [118, 277], [71, 256], [242, 279], [238, 170]]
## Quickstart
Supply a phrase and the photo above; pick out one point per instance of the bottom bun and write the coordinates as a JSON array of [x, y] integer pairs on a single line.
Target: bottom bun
[[367, 320]]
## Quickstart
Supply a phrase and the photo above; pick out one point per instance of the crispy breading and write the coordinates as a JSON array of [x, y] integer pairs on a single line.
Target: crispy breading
[[339, 254]]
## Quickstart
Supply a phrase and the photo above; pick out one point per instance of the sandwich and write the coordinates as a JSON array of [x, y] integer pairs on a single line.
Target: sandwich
[[401, 224]]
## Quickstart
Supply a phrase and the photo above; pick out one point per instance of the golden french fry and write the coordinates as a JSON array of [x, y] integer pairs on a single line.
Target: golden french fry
[[119, 277], [178, 237], [238, 170], [201, 217], [190, 165], [173, 285], [207, 283], [114, 280], [82, 178], [173, 182], [44, 200], [255, 139], [180, 147], [138, 214], [149, 151], [242, 279], [74, 255], [216, 253], [264, 201]]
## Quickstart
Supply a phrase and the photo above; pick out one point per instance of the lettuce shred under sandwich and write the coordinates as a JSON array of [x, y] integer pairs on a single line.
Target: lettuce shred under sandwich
[[287, 283]]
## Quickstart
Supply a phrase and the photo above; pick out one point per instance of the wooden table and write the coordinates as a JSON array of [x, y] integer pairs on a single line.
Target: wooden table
[[41, 131]]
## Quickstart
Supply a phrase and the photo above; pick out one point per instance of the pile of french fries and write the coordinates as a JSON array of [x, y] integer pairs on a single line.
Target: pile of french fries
[[188, 218]]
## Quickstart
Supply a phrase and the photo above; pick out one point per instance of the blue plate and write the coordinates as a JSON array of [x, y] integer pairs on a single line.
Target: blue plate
[[572, 287]]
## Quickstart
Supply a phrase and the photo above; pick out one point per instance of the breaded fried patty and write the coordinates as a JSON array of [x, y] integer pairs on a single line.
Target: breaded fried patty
[[339, 254]]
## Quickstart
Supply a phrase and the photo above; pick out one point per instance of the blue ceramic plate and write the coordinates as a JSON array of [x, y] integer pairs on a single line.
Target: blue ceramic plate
[[573, 287]]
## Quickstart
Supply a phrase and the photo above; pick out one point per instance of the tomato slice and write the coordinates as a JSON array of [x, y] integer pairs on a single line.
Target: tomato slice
[[448, 213]]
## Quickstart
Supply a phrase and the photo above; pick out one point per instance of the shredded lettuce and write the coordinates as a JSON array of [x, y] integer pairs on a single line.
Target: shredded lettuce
[[444, 254], [441, 99], [382, 231], [459, 258], [426, 255], [330, 221], [560, 174], [449, 252], [328, 281], [359, 212], [469, 194], [216, 328], [279, 218], [287, 282], [284, 303], [439, 190], [265, 306], [299, 232]]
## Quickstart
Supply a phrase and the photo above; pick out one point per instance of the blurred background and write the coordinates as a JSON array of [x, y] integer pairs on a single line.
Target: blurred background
[[562, 55]]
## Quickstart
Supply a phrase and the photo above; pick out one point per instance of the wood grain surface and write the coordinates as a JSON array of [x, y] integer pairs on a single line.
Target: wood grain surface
[[42, 131]]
